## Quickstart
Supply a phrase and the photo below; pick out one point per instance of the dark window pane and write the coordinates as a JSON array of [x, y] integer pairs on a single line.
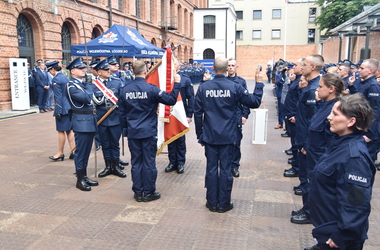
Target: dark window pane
[[208, 54], [209, 27], [276, 13], [311, 36], [239, 14], [257, 14], [24, 31]]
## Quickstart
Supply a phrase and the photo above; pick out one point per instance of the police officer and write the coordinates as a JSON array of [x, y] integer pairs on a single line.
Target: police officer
[[344, 72], [42, 83], [109, 129], [126, 74], [342, 180], [242, 114], [177, 149], [138, 106], [83, 119], [305, 111], [371, 91], [280, 80], [61, 111], [215, 123]]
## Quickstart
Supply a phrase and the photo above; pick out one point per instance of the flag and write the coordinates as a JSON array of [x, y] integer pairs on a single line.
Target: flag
[[172, 120]]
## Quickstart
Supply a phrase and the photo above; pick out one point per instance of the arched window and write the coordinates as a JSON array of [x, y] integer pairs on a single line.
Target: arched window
[[24, 31], [66, 42], [209, 27], [208, 54]]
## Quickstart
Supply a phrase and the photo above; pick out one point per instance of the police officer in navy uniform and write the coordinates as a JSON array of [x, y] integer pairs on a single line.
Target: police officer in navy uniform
[[341, 182], [83, 119], [61, 111], [138, 105], [215, 123], [42, 83], [242, 114], [126, 74], [109, 129], [177, 149]]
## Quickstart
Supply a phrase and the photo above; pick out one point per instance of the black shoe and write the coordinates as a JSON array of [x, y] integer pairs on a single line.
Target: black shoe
[[298, 192], [180, 169], [290, 161], [121, 167], [124, 163], [315, 247], [297, 212], [296, 187], [90, 182], [107, 170], [170, 168], [225, 209], [285, 135], [61, 157], [212, 209], [377, 165], [97, 147], [300, 219], [289, 152], [71, 157], [116, 169], [235, 172], [138, 197], [288, 169], [81, 183], [290, 173], [151, 197]]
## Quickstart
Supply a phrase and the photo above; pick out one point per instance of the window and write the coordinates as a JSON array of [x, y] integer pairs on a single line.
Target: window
[[257, 14], [24, 31], [137, 5], [209, 27], [312, 14], [256, 34], [239, 34], [276, 14], [311, 36], [239, 14], [208, 54], [276, 34], [120, 5], [66, 42]]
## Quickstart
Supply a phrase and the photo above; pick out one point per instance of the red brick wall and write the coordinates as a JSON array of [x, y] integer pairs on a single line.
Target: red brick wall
[[248, 57], [47, 28]]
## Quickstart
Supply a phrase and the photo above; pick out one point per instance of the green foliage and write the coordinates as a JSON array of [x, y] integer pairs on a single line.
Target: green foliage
[[337, 12]]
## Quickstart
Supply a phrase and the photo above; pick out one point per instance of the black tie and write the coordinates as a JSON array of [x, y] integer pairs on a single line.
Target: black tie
[[105, 82]]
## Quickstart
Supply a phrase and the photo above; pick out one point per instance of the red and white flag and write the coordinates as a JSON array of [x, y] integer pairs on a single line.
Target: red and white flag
[[172, 120]]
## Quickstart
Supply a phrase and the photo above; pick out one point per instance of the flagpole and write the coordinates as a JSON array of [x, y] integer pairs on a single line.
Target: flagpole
[[286, 26]]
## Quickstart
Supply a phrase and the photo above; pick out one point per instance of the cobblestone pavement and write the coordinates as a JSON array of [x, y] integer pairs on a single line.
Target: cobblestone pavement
[[40, 208]]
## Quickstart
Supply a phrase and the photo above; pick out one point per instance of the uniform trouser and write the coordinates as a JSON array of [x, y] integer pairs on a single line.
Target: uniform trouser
[[291, 129], [304, 184], [354, 246], [42, 95], [49, 98], [177, 151], [237, 153], [219, 179], [373, 149], [109, 138], [143, 161], [280, 111], [83, 142]]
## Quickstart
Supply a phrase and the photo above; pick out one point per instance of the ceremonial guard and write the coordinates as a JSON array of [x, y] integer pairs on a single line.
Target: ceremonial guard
[[242, 114], [83, 119], [138, 106], [106, 92], [177, 149], [61, 111], [215, 124]]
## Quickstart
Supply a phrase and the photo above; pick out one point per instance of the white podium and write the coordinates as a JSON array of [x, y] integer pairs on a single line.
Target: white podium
[[260, 124]]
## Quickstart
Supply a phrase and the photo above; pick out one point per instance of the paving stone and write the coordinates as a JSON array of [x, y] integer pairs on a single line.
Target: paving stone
[[57, 242], [272, 209], [61, 207], [218, 239], [84, 228], [45, 191], [24, 204], [99, 210], [17, 240]]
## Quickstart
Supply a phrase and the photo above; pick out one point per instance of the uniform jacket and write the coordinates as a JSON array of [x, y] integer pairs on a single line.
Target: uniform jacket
[[340, 191], [41, 78], [138, 106], [242, 111], [103, 104], [291, 100], [30, 78], [279, 84], [305, 111], [80, 98], [62, 105], [215, 109], [187, 94]]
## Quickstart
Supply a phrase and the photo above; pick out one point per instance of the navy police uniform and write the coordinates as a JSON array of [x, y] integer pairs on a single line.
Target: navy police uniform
[[280, 80], [242, 111], [109, 129], [84, 123], [177, 149], [215, 123], [41, 81], [138, 105], [340, 193]]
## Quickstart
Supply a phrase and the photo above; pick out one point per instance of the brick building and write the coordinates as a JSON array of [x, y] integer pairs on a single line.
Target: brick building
[[45, 29]]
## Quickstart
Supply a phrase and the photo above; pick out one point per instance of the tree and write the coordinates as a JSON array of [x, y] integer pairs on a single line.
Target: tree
[[336, 12]]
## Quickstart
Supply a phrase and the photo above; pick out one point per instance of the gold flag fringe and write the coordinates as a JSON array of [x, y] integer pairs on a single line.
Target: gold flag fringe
[[171, 140]]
